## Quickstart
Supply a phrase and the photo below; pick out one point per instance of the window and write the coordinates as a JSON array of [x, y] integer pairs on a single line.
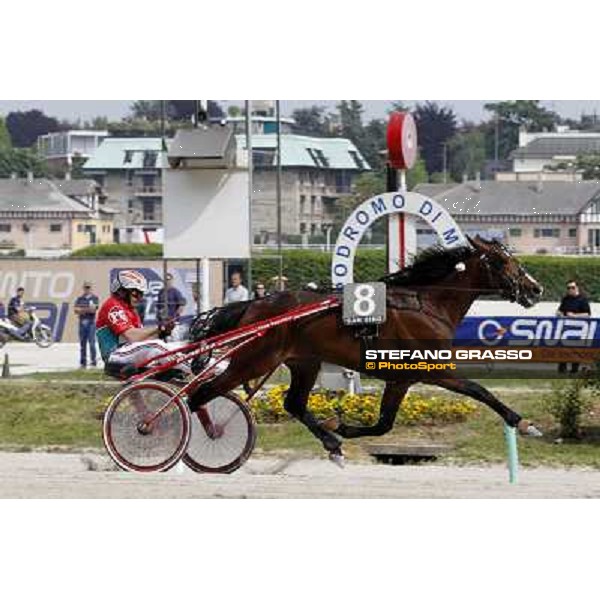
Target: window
[[149, 160], [515, 232], [129, 177], [313, 201], [55, 227], [302, 227], [80, 228], [148, 181], [148, 210], [313, 228], [263, 157], [546, 233], [321, 158], [573, 232], [5, 227], [358, 161], [302, 204]]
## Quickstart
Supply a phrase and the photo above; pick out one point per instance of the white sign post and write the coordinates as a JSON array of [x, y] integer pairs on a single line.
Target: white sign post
[[365, 214]]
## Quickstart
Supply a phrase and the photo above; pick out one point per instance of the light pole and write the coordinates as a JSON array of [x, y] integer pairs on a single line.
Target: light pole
[[278, 191]]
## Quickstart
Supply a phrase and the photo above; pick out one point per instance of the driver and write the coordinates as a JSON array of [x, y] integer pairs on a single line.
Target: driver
[[122, 339]]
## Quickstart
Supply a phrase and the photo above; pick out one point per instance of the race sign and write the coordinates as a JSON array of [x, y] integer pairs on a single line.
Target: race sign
[[364, 303]]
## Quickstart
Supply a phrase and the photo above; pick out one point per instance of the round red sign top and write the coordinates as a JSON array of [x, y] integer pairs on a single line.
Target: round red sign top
[[402, 140]]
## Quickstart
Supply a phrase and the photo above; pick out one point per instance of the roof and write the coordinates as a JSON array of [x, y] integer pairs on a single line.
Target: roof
[[40, 195], [513, 197], [76, 187], [125, 153], [559, 145], [305, 151]]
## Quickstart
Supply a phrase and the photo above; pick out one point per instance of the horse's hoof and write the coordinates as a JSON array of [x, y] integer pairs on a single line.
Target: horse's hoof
[[337, 458], [529, 429], [330, 424]]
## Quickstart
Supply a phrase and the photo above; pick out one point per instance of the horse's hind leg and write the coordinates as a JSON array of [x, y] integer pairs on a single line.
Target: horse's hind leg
[[479, 393], [304, 376], [390, 403]]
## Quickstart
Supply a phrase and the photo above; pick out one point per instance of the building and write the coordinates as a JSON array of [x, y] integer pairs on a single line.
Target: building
[[41, 220], [129, 173], [537, 216], [62, 149], [539, 150], [316, 173]]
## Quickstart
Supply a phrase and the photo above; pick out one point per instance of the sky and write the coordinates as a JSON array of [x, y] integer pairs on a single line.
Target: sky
[[471, 110]]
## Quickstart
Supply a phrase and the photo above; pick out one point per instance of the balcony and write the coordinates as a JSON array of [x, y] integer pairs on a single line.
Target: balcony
[[147, 190]]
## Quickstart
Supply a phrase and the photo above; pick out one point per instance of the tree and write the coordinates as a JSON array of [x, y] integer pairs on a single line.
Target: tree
[[311, 121], [21, 161], [466, 154], [4, 135], [435, 126], [373, 142], [26, 127], [416, 175], [351, 120], [508, 117], [146, 109], [183, 110], [589, 164], [234, 111]]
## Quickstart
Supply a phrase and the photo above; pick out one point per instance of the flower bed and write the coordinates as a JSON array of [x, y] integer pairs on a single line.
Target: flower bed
[[363, 409]]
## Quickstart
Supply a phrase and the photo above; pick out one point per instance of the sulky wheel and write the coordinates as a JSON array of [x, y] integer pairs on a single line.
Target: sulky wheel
[[136, 441], [223, 436]]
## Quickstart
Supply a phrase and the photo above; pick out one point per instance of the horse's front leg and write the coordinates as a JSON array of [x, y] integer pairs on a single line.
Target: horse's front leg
[[466, 387], [393, 395]]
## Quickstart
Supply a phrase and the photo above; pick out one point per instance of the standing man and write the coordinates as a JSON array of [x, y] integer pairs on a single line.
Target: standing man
[[170, 302], [573, 304], [85, 307], [237, 292]]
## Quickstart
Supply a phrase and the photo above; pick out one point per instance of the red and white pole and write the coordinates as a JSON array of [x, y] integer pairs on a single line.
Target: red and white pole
[[402, 155]]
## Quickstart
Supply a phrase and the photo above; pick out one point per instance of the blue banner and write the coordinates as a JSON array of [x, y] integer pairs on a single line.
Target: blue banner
[[550, 332]]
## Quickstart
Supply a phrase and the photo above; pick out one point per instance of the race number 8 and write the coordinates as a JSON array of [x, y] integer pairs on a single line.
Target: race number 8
[[364, 305]]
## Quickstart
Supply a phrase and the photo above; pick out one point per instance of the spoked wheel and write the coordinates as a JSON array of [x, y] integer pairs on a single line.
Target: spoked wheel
[[138, 442], [223, 436], [42, 335]]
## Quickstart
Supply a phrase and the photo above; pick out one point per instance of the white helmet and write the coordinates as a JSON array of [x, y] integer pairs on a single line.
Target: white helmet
[[129, 280]]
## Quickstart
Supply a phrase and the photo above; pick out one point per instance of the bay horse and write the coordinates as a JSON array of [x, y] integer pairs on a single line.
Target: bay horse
[[446, 283]]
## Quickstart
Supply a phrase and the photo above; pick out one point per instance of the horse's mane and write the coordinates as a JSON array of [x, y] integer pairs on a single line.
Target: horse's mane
[[430, 265]]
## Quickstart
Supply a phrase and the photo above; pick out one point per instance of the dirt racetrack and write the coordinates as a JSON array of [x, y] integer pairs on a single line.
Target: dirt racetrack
[[55, 475]]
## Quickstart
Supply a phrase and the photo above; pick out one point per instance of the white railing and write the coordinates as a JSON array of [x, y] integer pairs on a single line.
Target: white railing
[[576, 250]]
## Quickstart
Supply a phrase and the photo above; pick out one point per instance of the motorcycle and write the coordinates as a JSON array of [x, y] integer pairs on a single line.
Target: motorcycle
[[32, 331]]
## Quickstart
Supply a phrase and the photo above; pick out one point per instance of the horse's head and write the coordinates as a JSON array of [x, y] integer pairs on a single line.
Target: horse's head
[[504, 272]]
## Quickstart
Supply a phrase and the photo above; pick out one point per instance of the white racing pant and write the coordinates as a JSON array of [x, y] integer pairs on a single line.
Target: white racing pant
[[134, 353]]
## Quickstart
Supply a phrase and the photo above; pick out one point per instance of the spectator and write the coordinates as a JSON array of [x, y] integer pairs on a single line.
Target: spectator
[[259, 291], [171, 308], [573, 304], [237, 292], [279, 285], [16, 308], [86, 306]]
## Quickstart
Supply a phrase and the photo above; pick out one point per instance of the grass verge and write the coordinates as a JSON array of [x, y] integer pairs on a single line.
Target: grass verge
[[34, 414]]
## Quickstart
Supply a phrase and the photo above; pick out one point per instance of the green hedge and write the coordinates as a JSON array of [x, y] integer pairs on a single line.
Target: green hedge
[[302, 266], [120, 251], [554, 271]]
